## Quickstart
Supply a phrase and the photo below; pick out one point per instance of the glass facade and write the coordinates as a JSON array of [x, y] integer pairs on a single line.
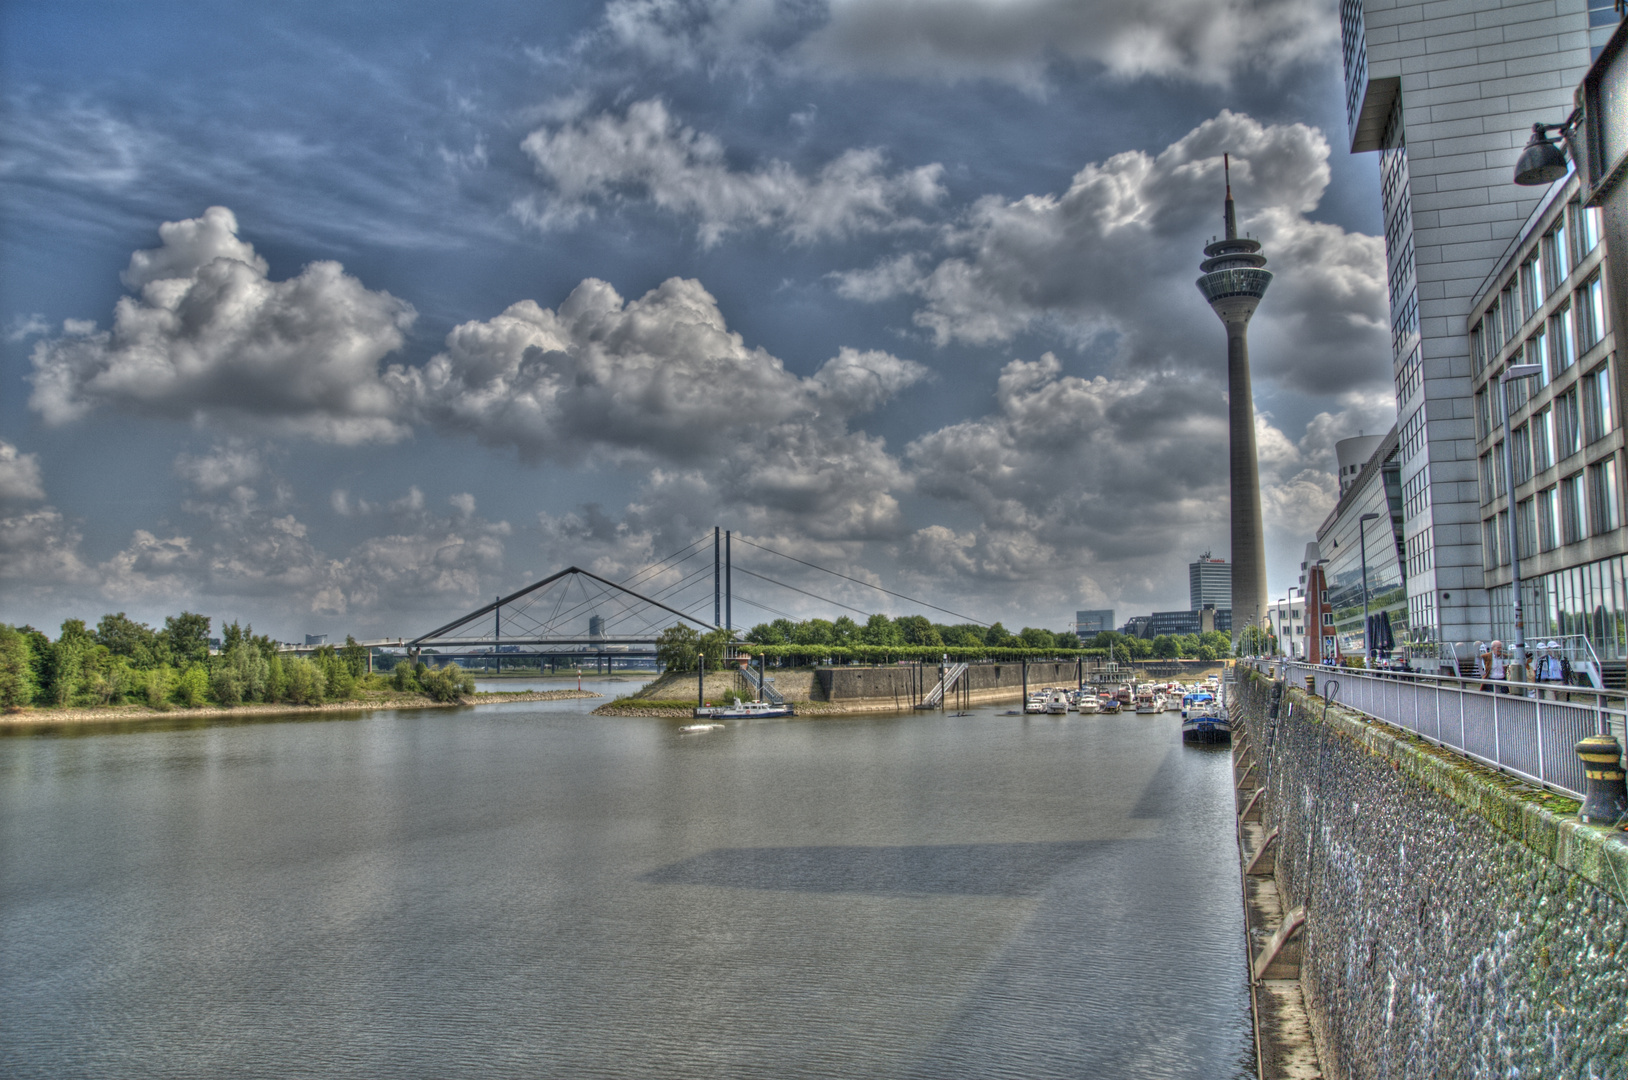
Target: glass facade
[[1591, 600], [1342, 549]]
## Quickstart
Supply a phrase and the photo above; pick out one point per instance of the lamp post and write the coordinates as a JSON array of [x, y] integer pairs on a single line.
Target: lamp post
[[1514, 371], [1362, 544]]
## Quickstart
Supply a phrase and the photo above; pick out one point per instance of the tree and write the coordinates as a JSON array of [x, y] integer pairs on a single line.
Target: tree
[[1166, 647], [16, 669], [879, 630], [766, 634], [354, 657], [123, 636], [1068, 639], [812, 632], [917, 630], [713, 645], [187, 636], [1033, 637], [997, 636], [964, 635], [844, 631], [676, 647]]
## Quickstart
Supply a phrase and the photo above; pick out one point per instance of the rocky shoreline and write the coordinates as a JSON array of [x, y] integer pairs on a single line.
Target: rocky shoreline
[[121, 714]]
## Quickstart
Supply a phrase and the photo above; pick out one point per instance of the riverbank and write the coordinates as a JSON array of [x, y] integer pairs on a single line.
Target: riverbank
[[380, 699]]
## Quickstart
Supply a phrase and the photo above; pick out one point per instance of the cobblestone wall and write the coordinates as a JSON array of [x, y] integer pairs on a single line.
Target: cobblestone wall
[[1457, 923]]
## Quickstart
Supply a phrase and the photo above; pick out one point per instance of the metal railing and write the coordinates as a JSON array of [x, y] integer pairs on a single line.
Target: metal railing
[[762, 688], [952, 675], [1529, 730]]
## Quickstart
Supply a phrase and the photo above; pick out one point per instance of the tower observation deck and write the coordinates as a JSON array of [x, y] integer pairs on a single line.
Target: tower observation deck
[[1233, 283]]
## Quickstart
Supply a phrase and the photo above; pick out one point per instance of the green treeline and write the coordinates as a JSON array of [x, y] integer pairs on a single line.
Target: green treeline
[[122, 662], [913, 637]]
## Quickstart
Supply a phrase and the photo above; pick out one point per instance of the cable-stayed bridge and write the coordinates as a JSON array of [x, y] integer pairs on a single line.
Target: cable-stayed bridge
[[575, 615]]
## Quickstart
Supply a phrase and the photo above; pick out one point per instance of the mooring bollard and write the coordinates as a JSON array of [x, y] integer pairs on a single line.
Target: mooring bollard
[[1607, 802]]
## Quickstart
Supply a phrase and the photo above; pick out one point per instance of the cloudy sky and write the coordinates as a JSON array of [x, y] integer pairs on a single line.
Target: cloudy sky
[[341, 318]]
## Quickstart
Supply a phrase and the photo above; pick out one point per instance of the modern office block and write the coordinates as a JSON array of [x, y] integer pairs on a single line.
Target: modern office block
[[1447, 93]]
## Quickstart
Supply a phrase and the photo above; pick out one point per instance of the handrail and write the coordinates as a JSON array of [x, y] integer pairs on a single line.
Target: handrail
[[952, 675]]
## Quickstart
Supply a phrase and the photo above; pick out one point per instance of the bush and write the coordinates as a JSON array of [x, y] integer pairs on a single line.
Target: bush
[[448, 683], [192, 688], [226, 687], [306, 686], [402, 678], [16, 669], [156, 687]]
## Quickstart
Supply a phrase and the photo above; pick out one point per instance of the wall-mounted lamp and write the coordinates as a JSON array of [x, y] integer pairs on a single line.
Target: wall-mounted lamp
[[1543, 161]]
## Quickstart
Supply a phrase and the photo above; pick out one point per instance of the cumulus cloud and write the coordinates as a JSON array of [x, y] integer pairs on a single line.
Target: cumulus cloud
[[1202, 41], [648, 153], [209, 336], [1115, 258], [40, 549], [19, 474], [221, 468]]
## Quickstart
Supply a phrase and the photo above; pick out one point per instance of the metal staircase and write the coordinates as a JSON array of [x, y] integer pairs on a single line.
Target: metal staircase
[[762, 688], [952, 675]]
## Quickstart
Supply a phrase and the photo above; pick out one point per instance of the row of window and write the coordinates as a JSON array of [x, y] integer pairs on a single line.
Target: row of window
[[1409, 378], [1586, 503], [1575, 328], [1416, 494], [1413, 434], [1574, 235], [1553, 434], [1419, 553]]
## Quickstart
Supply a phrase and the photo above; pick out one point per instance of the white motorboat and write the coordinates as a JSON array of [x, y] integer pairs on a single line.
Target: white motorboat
[[1036, 702], [743, 710], [696, 729], [1057, 703]]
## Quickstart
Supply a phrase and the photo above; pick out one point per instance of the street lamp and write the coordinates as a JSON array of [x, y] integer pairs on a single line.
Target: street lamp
[[1542, 162], [1514, 371], [1362, 543]]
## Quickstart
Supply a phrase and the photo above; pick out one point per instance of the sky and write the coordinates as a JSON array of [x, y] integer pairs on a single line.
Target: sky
[[346, 318]]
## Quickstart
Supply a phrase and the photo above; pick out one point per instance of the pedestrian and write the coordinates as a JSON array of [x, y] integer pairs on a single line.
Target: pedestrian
[[1550, 673], [1497, 669], [1483, 666]]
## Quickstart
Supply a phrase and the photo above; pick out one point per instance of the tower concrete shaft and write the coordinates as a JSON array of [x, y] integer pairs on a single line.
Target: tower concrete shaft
[[1234, 283]]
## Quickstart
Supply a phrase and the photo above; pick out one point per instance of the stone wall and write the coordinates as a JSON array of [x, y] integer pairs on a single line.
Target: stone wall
[[906, 682], [1458, 923]]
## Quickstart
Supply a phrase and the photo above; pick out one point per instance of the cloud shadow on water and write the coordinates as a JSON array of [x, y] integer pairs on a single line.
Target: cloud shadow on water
[[1004, 869]]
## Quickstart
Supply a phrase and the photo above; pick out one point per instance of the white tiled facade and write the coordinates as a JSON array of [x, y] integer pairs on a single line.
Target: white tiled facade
[[1447, 93]]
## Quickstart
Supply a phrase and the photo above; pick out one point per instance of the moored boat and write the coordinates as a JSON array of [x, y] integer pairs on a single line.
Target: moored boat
[[743, 710], [1057, 702], [1207, 724]]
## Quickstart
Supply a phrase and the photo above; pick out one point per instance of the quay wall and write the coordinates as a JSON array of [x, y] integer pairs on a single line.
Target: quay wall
[[905, 683], [1458, 923]]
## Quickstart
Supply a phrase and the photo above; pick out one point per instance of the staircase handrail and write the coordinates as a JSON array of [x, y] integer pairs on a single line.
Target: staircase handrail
[[952, 675]]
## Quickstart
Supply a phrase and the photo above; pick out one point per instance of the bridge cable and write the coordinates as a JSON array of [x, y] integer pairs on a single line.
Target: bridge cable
[[805, 592], [857, 581]]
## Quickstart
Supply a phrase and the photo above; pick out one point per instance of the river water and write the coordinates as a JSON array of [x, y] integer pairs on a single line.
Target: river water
[[527, 891]]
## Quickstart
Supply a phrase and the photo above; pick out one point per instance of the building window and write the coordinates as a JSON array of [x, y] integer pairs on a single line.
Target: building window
[[1419, 553], [1526, 527], [1590, 314], [1548, 514], [1568, 429], [1536, 354], [1556, 261], [1495, 330], [1328, 617], [1531, 287], [1562, 342], [1511, 303], [1483, 413], [1520, 451], [1413, 434], [1494, 530], [1410, 378], [1478, 346], [1586, 226], [1597, 403], [1604, 506], [1416, 493], [1543, 454], [1572, 526]]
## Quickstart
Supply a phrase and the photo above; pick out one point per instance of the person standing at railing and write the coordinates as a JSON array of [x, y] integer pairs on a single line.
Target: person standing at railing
[[1497, 668], [1483, 666], [1550, 671]]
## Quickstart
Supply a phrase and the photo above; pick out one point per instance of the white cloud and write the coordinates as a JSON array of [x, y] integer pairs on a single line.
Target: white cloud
[[211, 337], [1210, 42], [222, 468], [647, 152], [19, 474], [39, 549], [1116, 255]]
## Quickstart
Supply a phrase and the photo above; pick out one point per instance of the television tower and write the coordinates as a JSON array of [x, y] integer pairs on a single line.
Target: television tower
[[1234, 283]]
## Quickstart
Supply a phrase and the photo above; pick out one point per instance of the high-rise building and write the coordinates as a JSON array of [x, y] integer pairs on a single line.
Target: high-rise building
[[1090, 623], [1234, 282], [1447, 94], [1209, 583]]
